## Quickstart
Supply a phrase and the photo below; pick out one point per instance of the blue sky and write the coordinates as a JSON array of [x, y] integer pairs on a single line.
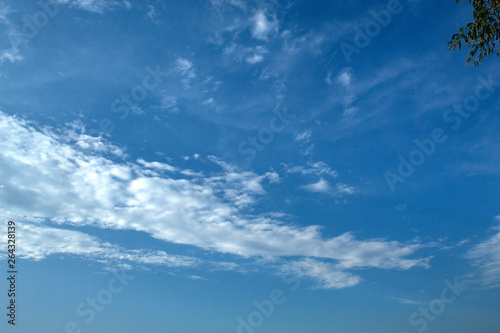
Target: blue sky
[[248, 166]]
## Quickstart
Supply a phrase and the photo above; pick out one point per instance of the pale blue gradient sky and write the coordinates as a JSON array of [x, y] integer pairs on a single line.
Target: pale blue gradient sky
[[212, 149]]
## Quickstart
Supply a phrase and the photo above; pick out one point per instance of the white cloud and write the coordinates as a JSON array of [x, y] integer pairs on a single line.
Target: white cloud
[[310, 42], [235, 3], [92, 144], [252, 55], [11, 55], [152, 15], [96, 6], [321, 186], [186, 69], [350, 111], [14, 37], [4, 11], [345, 77], [304, 140], [262, 27], [343, 189], [209, 102], [328, 78], [273, 177], [157, 166], [304, 136], [328, 275], [168, 103], [308, 150], [51, 177], [486, 257], [407, 301], [313, 168], [40, 242], [255, 59]]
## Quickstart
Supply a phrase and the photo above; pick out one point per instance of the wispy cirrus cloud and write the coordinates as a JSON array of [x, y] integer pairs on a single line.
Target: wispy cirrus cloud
[[39, 242], [327, 275], [251, 55], [96, 6], [185, 68], [486, 257], [235, 3], [264, 26], [304, 140], [408, 301], [152, 15], [14, 37], [312, 168], [345, 78], [304, 136]]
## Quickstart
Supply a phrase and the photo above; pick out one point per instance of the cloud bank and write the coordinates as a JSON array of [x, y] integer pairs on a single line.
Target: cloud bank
[[68, 178]]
